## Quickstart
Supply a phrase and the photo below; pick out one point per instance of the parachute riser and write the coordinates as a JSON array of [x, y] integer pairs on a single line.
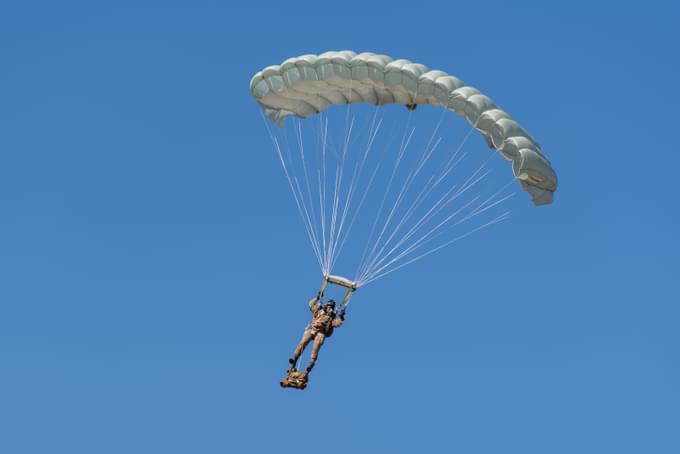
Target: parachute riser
[[341, 282]]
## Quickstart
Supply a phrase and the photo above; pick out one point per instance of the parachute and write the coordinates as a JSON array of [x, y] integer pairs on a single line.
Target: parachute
[[308, 85]]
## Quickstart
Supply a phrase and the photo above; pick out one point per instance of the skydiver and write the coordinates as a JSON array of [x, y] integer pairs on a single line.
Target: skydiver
[[324, 320]]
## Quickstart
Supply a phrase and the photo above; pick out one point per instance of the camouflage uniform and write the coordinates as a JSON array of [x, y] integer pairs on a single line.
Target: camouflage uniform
[[319, 329]]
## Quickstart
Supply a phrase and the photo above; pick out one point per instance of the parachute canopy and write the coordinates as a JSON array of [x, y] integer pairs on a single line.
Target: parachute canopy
[[306, 85]]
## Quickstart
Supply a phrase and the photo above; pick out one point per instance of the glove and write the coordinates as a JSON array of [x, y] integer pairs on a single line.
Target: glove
[[341, 314]]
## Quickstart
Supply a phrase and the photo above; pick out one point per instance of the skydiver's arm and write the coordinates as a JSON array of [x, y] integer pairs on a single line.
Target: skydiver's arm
[[340, 319], [314, 303]]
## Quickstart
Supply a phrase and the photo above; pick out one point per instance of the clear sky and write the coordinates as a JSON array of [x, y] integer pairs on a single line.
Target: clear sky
[[154, 271]]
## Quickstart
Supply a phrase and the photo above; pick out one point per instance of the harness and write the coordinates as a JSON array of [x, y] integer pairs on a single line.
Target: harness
[[340, 281]]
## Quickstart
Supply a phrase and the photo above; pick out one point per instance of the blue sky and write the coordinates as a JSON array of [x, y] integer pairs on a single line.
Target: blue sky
[[154, 271]]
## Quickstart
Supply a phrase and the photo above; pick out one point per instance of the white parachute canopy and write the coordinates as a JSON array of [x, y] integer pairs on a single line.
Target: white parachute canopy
[[423, 197]]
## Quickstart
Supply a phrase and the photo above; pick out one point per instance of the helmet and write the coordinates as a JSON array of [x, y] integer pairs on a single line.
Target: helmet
[[330, 303]]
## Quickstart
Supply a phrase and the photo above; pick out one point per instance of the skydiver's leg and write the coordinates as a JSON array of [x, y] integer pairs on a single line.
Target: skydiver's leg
[[306, 337], [318, 342]]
